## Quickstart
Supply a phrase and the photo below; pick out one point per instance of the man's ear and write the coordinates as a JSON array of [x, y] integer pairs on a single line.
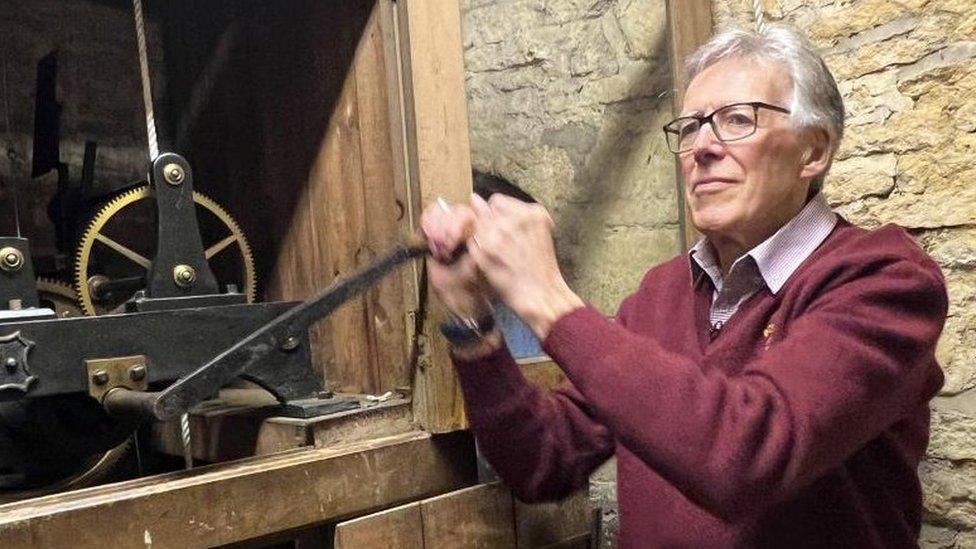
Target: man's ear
[[817, 152]]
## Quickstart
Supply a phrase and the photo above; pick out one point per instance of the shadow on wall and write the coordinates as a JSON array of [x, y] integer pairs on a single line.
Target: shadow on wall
[[611, 189]]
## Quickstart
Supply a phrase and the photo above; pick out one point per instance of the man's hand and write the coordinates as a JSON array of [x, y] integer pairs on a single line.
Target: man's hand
[[512, 246], [454, 276]]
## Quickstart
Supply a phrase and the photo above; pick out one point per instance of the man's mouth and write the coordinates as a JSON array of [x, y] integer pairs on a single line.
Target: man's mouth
[[710, 184]]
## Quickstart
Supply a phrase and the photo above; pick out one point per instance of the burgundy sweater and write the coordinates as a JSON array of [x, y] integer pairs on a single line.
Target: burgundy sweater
[[800, 424]]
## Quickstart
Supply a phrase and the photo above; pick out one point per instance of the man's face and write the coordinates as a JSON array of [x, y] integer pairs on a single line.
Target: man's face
[[745, 187]]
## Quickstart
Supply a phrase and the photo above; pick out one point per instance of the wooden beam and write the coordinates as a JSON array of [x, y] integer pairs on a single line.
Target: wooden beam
[[689, 26], [239, 424], [230, 502], [439, 164], [480, 516]]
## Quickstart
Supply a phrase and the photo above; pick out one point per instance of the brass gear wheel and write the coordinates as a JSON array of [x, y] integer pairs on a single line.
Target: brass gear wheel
[[85, 280], [60, 297]]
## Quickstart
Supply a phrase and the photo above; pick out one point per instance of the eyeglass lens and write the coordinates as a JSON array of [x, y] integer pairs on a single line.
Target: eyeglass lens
[[729, 123]]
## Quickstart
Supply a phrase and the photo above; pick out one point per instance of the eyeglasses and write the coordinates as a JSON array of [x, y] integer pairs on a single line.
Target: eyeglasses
[[730, 123]]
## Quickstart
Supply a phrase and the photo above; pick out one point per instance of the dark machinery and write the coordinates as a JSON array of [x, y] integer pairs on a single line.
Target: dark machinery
[[161, 334]]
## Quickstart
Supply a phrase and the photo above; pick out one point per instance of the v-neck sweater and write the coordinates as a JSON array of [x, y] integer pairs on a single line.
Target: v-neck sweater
[[800, 424]]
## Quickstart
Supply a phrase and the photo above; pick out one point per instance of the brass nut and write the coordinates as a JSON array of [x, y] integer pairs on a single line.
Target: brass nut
[[11, 259], [100, 377], [137, 372], [173, 173], [184, 275]]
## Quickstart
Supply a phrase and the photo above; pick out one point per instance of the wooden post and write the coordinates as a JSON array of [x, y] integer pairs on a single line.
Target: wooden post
[[439, 164], [689, 26]]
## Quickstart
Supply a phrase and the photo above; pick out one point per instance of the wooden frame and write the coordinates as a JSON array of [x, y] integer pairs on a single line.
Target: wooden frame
[[689, 26]]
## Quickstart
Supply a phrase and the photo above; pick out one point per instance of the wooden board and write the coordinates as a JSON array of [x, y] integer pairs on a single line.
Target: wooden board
[[225, 503], [480, 516], [397, 528], [689, 26], [439, 164], [235, 426]]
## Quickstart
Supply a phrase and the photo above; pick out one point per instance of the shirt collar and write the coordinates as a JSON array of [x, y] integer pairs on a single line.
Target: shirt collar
[[780, 255]]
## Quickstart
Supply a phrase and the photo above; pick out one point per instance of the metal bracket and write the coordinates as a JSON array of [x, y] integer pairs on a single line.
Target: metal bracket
[[105, 374], [180, 267], [15, 376], [18, 289]]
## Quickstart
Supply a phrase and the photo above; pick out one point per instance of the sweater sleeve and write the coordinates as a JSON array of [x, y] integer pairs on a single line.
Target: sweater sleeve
[[859, 359], [543, 443]]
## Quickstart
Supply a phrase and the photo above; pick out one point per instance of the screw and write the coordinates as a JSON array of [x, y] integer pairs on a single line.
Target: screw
[[100, 377], [11, 259], [137, 372], [173, 174], [11, 364], [290, 344], [184, 275]]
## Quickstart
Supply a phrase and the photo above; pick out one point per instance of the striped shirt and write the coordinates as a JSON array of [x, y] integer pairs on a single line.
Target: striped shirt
[[769, 264]]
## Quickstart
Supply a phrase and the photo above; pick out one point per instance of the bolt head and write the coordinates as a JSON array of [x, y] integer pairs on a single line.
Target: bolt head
[[100, 377], [184, 275], [173, 174], [11, 364], [137, 372], [11, 259], [290, 343]]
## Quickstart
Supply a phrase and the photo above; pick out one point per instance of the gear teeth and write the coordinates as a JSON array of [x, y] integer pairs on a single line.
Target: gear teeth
[[82, 256], [115, 205]]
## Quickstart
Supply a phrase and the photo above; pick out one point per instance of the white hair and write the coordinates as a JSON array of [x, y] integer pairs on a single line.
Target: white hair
[[815, 101]]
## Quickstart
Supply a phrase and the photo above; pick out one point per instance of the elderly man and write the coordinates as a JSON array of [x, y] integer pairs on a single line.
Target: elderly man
[[769, 389]]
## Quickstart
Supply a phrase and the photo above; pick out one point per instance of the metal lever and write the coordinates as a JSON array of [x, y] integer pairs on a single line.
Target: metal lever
[[281, 335]]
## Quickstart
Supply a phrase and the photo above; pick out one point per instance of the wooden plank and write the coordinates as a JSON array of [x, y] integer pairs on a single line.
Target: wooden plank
[[439, 154], [562, 523], [226, 503], [337, 192], [382, 176], [689, 26], [235, 426], [480, 516], [398, 528]]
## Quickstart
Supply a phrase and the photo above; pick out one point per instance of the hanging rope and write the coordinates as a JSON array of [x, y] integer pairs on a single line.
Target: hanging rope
[[146, 84], [757, 11]]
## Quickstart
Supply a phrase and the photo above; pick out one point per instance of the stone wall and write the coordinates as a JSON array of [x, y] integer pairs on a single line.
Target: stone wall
[[100, 93], [566, 99], [907, 70]]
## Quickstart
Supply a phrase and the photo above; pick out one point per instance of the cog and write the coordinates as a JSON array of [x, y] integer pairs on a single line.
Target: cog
[[86, 281], [60, 297]]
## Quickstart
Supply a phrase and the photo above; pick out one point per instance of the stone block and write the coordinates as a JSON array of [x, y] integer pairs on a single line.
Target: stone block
[[949, 493], [953, 436], [859, 177]]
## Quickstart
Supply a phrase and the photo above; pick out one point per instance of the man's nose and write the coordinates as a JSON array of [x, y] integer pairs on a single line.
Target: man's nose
[[707, 146]]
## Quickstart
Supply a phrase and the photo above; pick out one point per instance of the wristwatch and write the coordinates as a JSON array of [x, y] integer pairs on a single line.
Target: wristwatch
[[464, 331]]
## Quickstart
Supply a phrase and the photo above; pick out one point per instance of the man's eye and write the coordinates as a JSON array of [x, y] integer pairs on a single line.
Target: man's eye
[[738, 119]]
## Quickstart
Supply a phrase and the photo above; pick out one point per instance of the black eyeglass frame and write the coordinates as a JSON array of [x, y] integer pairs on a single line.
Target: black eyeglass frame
[[707, 119]]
